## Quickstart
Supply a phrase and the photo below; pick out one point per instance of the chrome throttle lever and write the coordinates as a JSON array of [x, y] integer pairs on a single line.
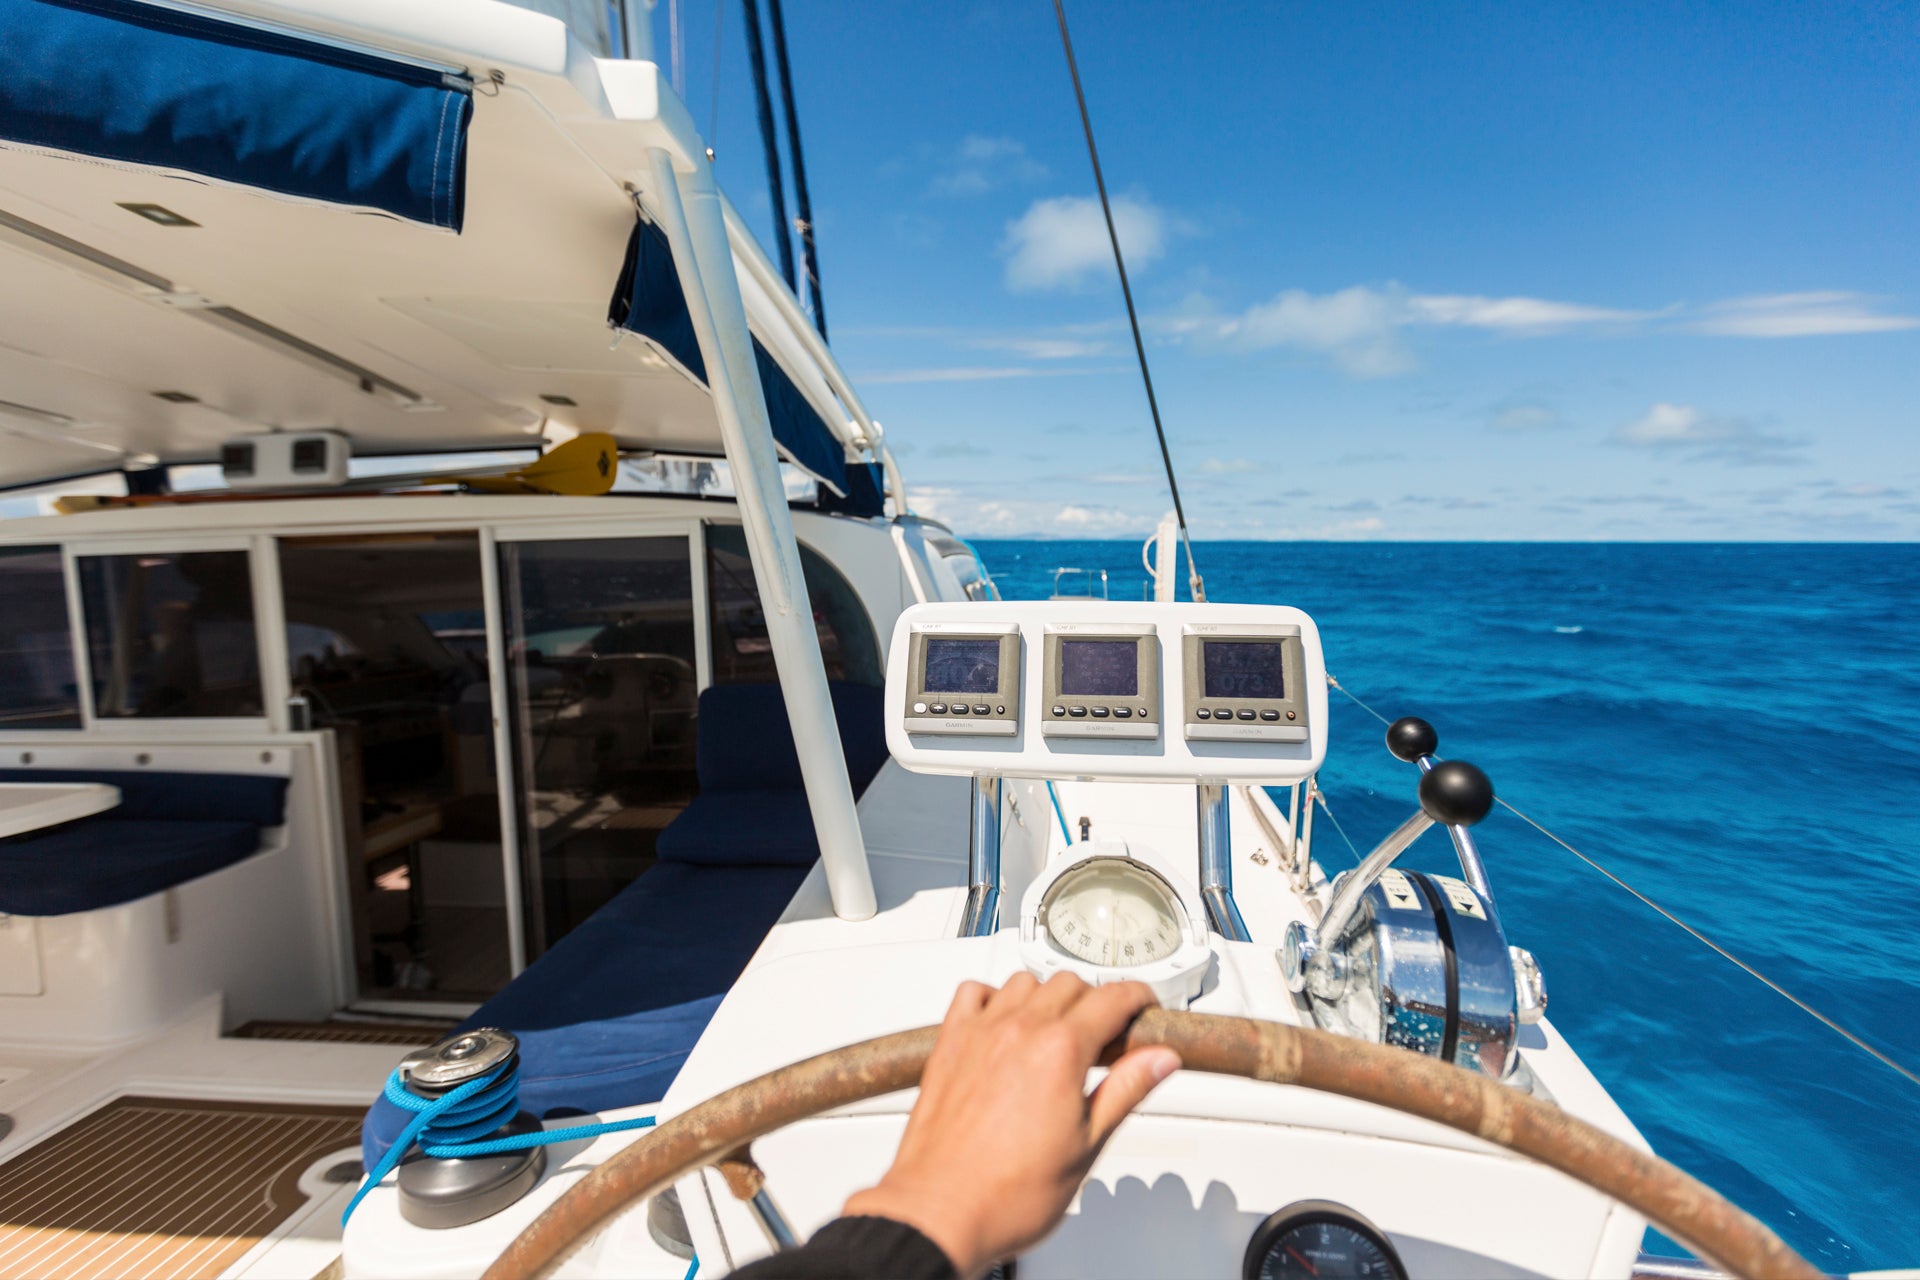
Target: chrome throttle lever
[[1452, 793], [1412, 739]]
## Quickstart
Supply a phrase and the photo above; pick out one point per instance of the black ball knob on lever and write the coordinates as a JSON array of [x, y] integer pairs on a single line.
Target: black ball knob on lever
[[1410, 738], [1455, 793]]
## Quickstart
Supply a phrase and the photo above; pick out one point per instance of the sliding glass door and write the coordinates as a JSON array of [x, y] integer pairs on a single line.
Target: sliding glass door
[[603, 683]]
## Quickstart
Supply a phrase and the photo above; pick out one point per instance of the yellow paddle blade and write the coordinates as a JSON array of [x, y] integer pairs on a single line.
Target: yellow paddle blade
[[584, 467], [72, 504]]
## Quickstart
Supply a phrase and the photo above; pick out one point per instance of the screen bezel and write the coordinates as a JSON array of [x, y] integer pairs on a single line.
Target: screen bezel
[[1293, 720], [1144, 705], [1005, 695]]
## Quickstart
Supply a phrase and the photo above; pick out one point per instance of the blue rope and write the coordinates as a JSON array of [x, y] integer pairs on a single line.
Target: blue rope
[[451, 1125], [1055, 797], [693, 1268]]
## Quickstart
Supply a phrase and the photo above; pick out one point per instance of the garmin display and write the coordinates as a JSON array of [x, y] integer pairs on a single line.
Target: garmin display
[[964, 681], [962, 666], [1107, 691], [1101, 681], [1244, 683]]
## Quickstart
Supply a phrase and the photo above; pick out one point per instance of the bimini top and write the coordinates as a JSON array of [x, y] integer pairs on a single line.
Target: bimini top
[[419, 222]]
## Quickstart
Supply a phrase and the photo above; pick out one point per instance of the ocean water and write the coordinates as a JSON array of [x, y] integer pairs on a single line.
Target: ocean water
[[1734, 730]]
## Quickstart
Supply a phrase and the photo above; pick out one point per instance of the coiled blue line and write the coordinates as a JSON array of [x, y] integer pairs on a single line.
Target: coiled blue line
[[451, 1125]]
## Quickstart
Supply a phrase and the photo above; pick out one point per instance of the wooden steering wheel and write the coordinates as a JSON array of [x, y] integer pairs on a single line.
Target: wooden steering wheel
[[718, 1131]]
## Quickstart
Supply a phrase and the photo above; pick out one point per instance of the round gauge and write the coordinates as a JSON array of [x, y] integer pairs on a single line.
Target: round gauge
[[1112, 912], [1316, 1240]]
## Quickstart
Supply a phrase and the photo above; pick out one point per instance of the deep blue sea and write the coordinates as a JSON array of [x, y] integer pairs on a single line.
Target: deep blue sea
[[1734, 730]]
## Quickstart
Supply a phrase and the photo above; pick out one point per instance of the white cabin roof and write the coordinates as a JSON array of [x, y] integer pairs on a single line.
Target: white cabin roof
[[118, 344]]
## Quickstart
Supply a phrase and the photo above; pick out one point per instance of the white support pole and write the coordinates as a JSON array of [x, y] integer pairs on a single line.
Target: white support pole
[[690, 214]]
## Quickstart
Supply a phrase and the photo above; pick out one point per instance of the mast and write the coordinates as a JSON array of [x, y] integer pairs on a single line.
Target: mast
[[769, 140], [805, 223]]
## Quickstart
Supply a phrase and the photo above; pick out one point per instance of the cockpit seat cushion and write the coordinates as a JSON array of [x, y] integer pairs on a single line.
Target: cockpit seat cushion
[[752, 808], [260, 799], [607, 1017], [105, 861], [169, 828]]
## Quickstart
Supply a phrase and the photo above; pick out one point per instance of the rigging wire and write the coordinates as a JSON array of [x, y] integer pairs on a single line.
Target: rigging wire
[[809, 256], [1852, 1038], [769, 139], [1194, 582], [677, 48], [713, 108]]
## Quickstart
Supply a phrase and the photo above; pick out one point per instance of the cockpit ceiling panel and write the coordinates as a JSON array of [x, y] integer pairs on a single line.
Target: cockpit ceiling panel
[[489, 331]]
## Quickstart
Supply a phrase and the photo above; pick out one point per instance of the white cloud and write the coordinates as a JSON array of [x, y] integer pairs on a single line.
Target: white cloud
[[1798, 315], [1044, 348], [1513, 315], [1523, 415], [1679, 428], [1356, 326], [1361, 327], [971, 373], [1230, 466], [1082, 519], [1060, 243], [980, 164]]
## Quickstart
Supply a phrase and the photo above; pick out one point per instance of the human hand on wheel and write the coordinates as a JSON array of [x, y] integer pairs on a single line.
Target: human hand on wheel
[[1004, 1129]]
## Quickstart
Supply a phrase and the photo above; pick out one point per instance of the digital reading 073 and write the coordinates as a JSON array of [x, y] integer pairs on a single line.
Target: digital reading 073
[[1244, 669]]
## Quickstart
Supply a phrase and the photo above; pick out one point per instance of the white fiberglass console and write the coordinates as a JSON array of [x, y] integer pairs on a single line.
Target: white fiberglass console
[[1108, 690]]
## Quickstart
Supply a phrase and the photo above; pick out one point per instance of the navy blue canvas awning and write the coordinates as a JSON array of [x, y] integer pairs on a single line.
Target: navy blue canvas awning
[[647, 300], [140, 84]]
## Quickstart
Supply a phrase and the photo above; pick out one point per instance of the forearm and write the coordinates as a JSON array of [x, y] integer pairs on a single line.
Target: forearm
[[857, 1249]]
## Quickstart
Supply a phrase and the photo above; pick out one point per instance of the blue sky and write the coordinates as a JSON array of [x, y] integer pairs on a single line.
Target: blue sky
[[1626, 271]]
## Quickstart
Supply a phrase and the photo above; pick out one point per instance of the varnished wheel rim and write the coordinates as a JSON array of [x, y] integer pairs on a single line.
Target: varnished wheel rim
[[718, 1131]]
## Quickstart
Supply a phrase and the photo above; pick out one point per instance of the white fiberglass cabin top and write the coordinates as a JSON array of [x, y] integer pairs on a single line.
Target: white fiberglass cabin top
[[621, 783]]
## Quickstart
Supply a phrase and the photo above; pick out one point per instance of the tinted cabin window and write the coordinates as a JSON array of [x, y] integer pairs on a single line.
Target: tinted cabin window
[[171, 635], [37, 687], [742, 653], [600, 652], [386, 640]]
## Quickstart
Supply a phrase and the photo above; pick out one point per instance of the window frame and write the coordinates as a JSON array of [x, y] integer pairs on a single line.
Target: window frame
[[269, 644]]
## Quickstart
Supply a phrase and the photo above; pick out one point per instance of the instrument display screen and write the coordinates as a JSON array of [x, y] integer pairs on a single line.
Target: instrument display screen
[[1099, 669], [1244, 669], [962, 666]]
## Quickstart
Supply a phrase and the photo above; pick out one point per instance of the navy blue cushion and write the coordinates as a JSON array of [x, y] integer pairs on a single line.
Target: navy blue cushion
[[742, 829], [752, 810], [256, 799], [102, 862], [607, 1017], [746, 744]]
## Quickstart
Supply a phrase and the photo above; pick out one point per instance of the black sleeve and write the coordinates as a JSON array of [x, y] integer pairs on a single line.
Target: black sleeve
[[857, 1249]]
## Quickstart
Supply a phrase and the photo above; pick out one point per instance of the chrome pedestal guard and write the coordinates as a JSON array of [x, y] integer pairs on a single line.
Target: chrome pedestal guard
[[1216, 864], [982, 914]]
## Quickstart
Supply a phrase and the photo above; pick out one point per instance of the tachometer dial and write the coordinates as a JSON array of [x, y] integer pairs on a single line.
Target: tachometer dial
[[1316, 1240], [1112, 912]]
